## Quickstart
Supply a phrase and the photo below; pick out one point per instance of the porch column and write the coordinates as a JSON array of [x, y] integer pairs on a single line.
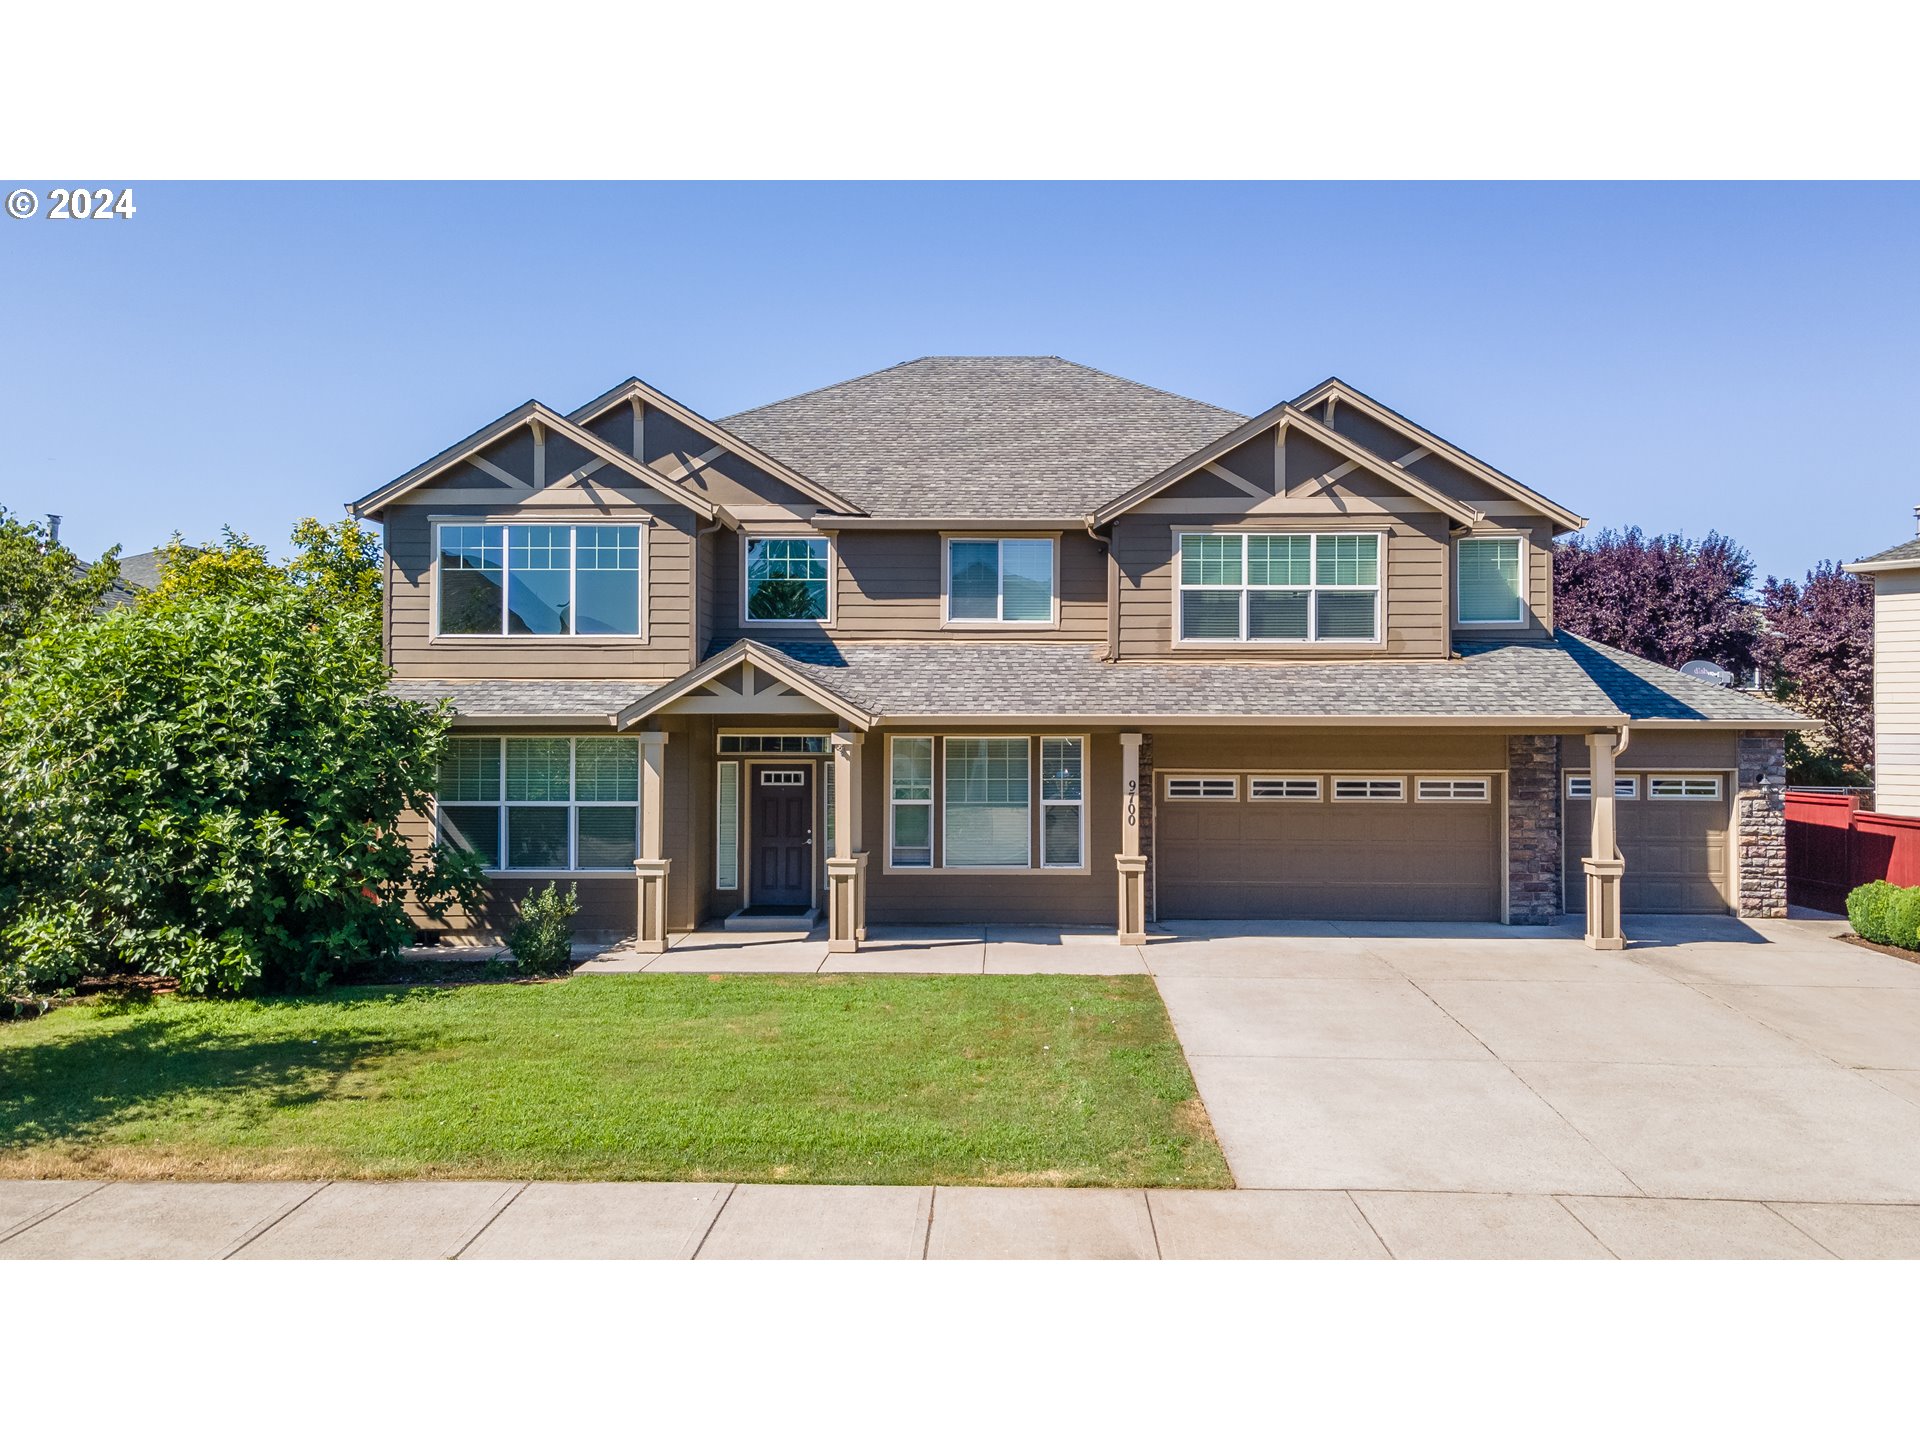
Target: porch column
[[1602, 862], [1130, 862], [847, 866], [650, 929]]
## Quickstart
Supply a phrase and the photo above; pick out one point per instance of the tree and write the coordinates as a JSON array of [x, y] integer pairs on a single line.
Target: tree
[[1664, 597], [208, 784], [41, 579], [1817, 652]]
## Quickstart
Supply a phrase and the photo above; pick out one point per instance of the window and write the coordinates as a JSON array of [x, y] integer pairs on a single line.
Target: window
[[1062, 803], [1236, 588], [786, 580], [1625, 787], [542, 803], [1283, 787], [1203, 787], [792, 779], [773, 745], [1362, 787], [539, 579], [987, 788], [827, 772], [910, 802], [1683, 787], [1477, 790], [1490, 592], [1000, 581], [726, 827]]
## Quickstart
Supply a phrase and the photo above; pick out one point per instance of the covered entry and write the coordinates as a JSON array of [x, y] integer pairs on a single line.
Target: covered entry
[[1674, 834], [1327, 845]]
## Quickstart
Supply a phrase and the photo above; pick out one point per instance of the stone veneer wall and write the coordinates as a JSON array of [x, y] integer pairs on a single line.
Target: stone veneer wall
[[1533, 829], [1146, 814], [1760, 820]]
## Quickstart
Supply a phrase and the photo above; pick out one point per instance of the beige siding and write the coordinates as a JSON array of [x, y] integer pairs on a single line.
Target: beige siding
[[1896, 692], [1537, 538], [888, 586]]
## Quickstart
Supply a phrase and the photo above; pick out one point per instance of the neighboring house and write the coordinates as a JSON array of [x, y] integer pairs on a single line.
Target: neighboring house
[[1008, 639], [138, 574], [1895, 575]]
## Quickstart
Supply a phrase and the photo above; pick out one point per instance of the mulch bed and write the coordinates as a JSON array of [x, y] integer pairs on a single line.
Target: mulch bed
[[1912, 957]]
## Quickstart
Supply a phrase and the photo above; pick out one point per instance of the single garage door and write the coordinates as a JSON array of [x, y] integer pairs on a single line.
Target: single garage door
[[1674, 832], [1326, 847]]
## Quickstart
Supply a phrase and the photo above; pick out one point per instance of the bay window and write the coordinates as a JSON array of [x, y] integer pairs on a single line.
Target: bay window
[[538, 579], [1487, 568], [1000, 581], [542, 803], [1270, 587]]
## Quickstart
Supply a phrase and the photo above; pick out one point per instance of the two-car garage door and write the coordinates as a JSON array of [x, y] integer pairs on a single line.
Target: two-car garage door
[[1327, 846]]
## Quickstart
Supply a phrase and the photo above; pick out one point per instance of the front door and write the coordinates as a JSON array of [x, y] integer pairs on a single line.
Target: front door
[[782, 835]]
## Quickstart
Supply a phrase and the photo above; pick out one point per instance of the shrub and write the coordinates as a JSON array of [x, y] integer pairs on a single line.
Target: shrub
[[1903, 918], [1867, 909], [542, 941]]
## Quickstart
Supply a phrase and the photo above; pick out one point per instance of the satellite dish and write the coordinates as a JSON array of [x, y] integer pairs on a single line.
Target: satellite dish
[[1708, 671]]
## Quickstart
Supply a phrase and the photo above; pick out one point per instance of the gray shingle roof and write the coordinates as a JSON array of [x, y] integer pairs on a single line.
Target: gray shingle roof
[[1647, 690], [1013, 436], [994, 678], [1908, 551], [526, 699]]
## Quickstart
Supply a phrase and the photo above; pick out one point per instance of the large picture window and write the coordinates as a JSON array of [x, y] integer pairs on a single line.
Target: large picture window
[[1489, 580], [1000, 581], [539, 579], [1254, 587], [787, 579], [985, 823], [542, 803]]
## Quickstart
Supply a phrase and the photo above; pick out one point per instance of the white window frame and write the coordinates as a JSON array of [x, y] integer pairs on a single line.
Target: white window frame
[[948, 620], [747, 542], [440, 522], [1686, 782], [931, 803], [1313, 589], [1287, 782], [726, 856], [1580, 786], [1230, 795], [1043, 804], [1525, 607], [571, 805], [940, 769], [1453, 784], [1399, 797]]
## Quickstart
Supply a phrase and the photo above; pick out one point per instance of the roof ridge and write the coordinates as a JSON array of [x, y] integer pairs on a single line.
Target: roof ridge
[[1142, 385], [822, 389]]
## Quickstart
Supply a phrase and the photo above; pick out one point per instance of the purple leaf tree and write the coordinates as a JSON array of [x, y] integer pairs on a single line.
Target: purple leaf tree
[[1662, 597], [1817, 652]]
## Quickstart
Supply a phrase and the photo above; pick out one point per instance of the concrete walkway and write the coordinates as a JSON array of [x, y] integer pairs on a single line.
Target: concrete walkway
[[889, 950], [475, 1220]]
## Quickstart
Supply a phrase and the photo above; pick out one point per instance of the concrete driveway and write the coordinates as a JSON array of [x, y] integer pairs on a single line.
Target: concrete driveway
[[1714, 1059]]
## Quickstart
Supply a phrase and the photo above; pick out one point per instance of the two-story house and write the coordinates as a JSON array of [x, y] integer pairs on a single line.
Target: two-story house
[[1008, 639]]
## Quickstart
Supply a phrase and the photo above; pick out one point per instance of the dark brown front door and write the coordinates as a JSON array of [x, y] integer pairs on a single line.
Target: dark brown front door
[[782, 835]]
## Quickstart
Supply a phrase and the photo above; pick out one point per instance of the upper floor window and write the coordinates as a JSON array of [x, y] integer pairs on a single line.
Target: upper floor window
[[1488, 567], [1253, 587], [1000, 581], [787, 579], [539, 579]]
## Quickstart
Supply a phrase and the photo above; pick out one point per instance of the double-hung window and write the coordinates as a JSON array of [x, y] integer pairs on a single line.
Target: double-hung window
[[1000, 582], [1489, 580], [538, 579], [986, 823], [1267, 587], [910, 802], [542, 803], [787, 579]]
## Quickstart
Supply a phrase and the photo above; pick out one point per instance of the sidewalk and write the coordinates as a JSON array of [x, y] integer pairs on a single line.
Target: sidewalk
[[480, 1220]]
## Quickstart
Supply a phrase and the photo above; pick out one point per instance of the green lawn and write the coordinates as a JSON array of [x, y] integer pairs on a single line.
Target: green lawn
[[1052, 1080]]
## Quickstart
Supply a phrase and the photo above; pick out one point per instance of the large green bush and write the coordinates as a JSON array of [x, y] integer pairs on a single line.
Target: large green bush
[[1871, 910], [207, 786]]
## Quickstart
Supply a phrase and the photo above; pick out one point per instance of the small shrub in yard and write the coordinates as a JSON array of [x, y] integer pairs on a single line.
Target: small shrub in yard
[[1903, 918], [542, 941], [1886, 914]]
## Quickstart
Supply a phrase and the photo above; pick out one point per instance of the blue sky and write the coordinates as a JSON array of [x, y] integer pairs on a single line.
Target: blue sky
[[1675, 356]]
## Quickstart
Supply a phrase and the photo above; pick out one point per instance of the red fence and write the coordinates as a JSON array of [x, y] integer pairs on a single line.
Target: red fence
[[1833, 845]]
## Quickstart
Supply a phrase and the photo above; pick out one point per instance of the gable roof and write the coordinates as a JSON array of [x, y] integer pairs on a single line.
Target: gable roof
[[1333, 385], [529, 414], [633, 388], [1014, 437], [1900, 557], [1285, 417], [761, 657]]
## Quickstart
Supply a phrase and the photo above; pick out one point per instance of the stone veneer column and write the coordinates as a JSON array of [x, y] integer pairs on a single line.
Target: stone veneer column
[[1760, 822], [1533, 829]]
